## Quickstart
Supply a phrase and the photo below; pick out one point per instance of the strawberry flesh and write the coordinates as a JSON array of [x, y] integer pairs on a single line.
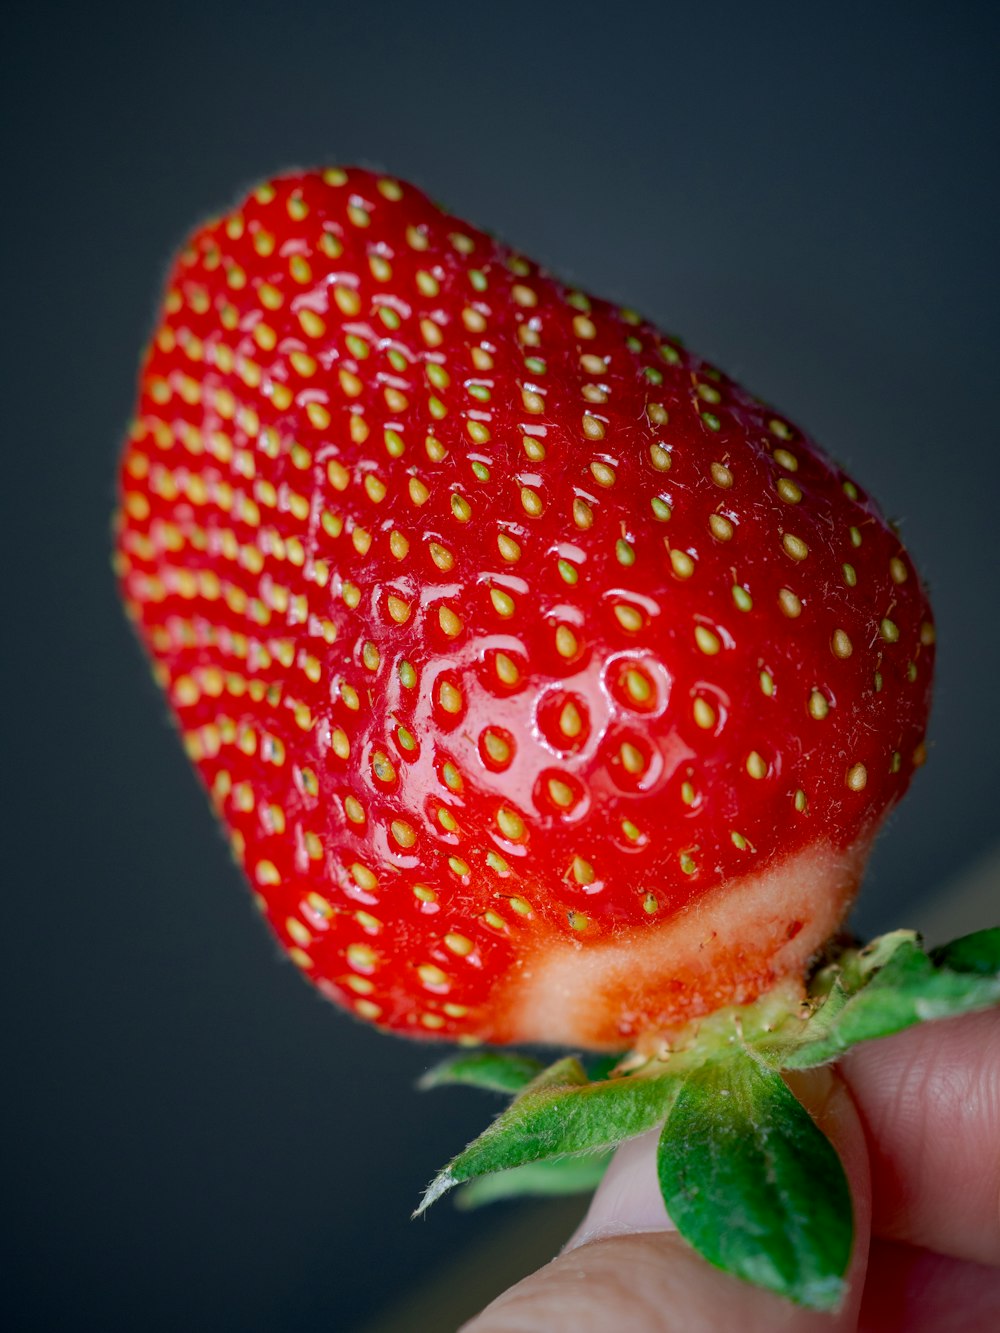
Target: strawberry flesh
[[529, 661]]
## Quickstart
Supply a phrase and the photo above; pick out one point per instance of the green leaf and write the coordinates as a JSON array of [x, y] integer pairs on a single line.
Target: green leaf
[[979, 952], [891, 985], [496, 1071], [563, 1175], [753, 1185], [557, 1115]]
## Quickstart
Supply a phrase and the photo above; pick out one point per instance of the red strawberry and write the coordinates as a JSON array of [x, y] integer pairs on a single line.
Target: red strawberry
[[552, 688]]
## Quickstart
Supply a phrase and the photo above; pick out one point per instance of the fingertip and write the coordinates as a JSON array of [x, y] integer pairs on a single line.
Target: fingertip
[[929, 1099]]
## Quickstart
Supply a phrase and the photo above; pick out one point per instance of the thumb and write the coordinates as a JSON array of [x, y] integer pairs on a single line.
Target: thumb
[[626, 1266]]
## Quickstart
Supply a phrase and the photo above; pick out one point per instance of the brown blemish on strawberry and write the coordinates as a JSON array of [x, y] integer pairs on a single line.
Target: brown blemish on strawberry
[[733, 944]]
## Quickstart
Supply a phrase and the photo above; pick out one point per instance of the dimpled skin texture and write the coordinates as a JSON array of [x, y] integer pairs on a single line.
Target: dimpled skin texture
[[494, 620]]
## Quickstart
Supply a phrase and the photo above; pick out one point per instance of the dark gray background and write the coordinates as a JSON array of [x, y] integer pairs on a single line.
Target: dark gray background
[[807, 193]]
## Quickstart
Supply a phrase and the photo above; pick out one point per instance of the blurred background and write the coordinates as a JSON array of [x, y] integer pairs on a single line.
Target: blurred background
[[807, 193]]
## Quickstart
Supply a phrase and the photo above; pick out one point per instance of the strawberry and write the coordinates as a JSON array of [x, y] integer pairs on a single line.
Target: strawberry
[[550, 686]]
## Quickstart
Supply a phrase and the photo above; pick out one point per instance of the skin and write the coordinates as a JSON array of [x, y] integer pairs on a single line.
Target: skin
[[916, 1120]]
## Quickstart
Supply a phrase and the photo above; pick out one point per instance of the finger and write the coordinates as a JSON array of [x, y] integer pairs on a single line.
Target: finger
[[930, 1102], [624, 1269], [914, 1291]]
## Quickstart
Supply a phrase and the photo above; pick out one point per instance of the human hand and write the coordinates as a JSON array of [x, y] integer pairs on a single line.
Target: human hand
[[916, 1120]]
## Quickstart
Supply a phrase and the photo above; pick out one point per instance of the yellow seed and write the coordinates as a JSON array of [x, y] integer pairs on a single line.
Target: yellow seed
[[566, 641], [398, 544], [460, 507], [441, 556], [850, 574], [789, 492], [506, 669], [383, 767], [794, 546], [721, 527], [570, 721], [450, 697], [704, 714], [450, 623], [650, 903], [510, 823], [496, 747], [898, 570], [432, 976], [632, 758], [920, 755], [790, 604], [577, 920], [583, 515], [659, 457], [819, 705], [348, 301], [361, 540], [889, 630], [721, 474], [419, 493], [531, 502], [687, 793], [398, 609], [707, 641], [857, 777], [267, 873], [459, 944], [424, 894], [593, 428], [786, 460], [362, 957], [338, 475], [509, 549], [682, 564], [628, 617], [354, 810], [603, 474], [520, 906], [503, 603], [756, 765], [404, 834], [638, 686], [560, 792], [841, 644]]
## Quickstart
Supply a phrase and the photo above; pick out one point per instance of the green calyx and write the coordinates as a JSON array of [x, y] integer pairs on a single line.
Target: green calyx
[[746, 1175]]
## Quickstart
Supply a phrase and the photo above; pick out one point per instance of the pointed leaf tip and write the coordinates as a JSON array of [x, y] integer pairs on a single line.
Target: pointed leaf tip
[[441, 1184]]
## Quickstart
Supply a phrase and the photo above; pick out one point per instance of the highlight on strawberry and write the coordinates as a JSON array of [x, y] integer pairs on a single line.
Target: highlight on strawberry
[[550, 687]]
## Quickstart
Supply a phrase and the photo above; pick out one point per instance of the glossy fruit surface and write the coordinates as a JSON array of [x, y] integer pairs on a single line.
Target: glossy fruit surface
[[551, 686]]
